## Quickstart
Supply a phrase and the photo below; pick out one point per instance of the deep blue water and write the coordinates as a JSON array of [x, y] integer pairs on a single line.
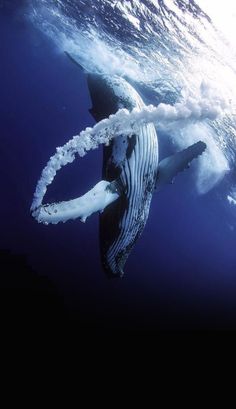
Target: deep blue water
[[182, 272]]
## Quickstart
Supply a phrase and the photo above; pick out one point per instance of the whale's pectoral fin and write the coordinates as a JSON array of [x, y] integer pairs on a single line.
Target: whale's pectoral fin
[[95, 200], [169, 167]]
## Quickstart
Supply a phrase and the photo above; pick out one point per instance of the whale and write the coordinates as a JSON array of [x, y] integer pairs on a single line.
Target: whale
[[132, 161], [131, 173]]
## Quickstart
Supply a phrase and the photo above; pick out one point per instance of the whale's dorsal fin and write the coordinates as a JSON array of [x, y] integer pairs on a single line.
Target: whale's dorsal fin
[[169, 167]]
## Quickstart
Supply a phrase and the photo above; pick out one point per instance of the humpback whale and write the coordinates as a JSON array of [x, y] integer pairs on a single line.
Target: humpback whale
[[131, 173], [133, 163]]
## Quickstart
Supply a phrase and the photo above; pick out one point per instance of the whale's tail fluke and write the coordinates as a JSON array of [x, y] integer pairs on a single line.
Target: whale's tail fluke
[[169, 167]]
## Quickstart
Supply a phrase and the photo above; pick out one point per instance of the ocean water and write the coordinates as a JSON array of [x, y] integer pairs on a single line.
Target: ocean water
[[182, 273]]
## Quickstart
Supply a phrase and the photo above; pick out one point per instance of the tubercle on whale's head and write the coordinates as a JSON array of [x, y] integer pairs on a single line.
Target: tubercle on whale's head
[[113, 264]]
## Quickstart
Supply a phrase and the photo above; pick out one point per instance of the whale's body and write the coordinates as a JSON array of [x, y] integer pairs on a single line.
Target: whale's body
[[131, 172], [132, 161]]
